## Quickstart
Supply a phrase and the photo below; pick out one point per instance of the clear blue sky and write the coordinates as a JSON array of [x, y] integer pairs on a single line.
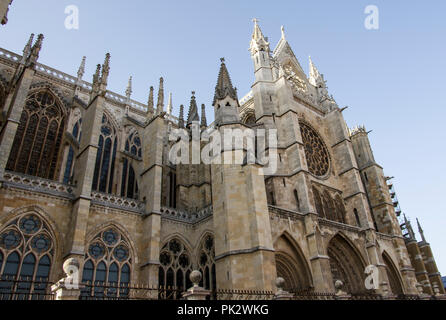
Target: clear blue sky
[[393, 79]]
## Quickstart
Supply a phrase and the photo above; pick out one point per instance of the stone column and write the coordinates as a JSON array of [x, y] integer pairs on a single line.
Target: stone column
[[196, 292]]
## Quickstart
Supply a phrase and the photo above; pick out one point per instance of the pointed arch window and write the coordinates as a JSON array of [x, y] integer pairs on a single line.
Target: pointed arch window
[[69, 167], [36, 145], [318, 203], [26, 254], [206, 262], [175, 268], [129, 184], [107, 266], [105, 158]]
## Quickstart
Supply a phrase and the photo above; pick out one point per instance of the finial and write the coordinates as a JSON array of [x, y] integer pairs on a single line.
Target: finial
[[255, 20], [160, 104], [181, 117], [193, 93], [222, 60], [105, 70], [169, 104], [81, 71], [420, 231], [27, 49], [129, 91], [282, 28], [203, 116], [35, 50], [150, 102]]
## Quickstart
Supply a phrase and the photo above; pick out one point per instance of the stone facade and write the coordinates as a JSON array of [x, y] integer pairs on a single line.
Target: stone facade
[[85, 175]]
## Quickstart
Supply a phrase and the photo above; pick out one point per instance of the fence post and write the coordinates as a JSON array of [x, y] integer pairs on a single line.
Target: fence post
[[68, 288], [282, 294], [196, 292], [340, 294]]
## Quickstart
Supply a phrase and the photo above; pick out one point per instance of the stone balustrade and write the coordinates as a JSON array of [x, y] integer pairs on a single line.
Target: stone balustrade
[[116, 202], [186, 216]]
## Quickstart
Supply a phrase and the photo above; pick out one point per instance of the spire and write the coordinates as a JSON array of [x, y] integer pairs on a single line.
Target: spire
[[203, 116], [96, 84], [35, 50], [27, 49], [150, 102], [258, 41], [224, 86], [169, 104], [420, 231], [181, 117], [193, 111], [409, 228], [315, 77], [105, 71], [160, 104], [81, 71], [128, 91]]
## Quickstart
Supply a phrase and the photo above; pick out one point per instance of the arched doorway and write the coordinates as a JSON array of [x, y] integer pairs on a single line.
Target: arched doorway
[[392, 275], [346, 265], [291, 265]]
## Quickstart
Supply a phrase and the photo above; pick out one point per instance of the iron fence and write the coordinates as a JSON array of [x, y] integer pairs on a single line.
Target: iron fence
[[25, 288]]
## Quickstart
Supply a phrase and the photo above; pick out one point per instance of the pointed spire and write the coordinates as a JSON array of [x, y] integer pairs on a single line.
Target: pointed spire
[[258, 41], [105, 71], [150, 101], [160, 104], [420, 231], [315, 76], [81, 71], [96, 84], [27, 49], [128, 91], [193, 111], [169, 104], [409, 228], [35, 50], [181, 117], [203, 116], [224, 86]]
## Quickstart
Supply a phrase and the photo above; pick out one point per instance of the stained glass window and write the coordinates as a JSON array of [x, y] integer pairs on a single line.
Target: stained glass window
[[107, 265], [69, 167], [129, 183], [315, 151], [105, 157], [27, 247], [36, 145]]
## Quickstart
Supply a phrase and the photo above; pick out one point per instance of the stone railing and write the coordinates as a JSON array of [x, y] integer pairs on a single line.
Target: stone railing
[[116, 202], [8, 55], [246, 98], [338, 225], [32, 183], [186, 216], [285, 213]]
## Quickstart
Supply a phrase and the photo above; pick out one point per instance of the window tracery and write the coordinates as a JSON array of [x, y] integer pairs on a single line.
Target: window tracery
[[105, 158], [107, 264], [69, 167], [175, 266], [206, 262], [316, 153], [129, 184], [37, 142], [26, 255]]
